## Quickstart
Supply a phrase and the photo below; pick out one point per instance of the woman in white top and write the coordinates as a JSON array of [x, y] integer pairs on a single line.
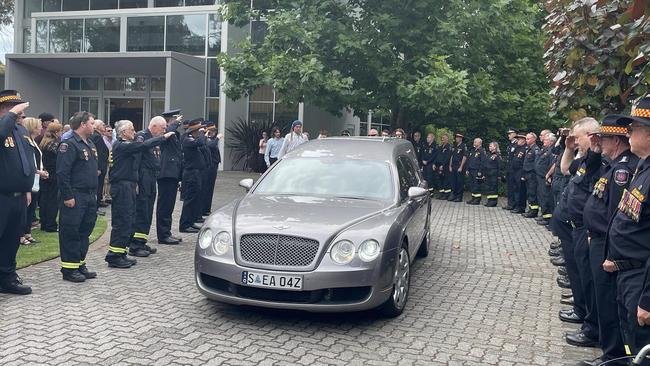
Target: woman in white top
[[294, 139], [34, 127]]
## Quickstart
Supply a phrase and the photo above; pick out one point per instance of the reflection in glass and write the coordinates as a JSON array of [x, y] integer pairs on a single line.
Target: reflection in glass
[[145, 33], [65, 35], [102, 35], [157, 107], [158, 84], [32, 6], [113, 83], [41, 36], [89, 83], [214, 35], [260, 112], [164, 3], [52, 5], [212, 107], [136, 84], [27, 40], [103, 4], [128, 4], [71, 105], [72, 84], [186, 34], [75, 5], [213, 78]]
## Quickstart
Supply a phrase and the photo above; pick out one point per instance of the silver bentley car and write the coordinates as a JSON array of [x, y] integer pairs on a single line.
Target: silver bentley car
[[332, 226]]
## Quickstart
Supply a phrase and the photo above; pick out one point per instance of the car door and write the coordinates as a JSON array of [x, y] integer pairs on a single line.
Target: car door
[[417, 209]]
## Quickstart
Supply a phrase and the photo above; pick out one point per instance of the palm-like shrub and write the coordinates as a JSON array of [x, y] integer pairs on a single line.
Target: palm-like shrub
[[243, 141]]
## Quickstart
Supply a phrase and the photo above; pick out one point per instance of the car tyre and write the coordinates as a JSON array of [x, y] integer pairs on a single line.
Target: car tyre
[[396, 302]]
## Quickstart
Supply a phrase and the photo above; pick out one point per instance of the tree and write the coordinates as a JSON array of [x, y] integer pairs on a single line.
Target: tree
[[596, 55], [6, 12], [465, 64]]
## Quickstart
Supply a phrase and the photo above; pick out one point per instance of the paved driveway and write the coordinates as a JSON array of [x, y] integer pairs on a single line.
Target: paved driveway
[[486, 295]]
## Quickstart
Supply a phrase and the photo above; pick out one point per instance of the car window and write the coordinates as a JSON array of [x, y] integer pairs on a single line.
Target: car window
[[405, 179]]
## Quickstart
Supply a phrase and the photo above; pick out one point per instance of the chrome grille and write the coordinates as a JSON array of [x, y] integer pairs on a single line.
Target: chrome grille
[[278, 250]]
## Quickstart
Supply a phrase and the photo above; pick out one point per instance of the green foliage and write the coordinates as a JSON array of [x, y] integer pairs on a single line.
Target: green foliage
[[6, 12], [595, 55]]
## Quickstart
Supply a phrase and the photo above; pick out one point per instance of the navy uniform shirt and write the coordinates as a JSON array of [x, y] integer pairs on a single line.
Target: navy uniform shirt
[[213, 144], [150, 157], [615, 176], [458, 152], [544, 161], [171, 154], [192, 156], [443, 156], [102, 151], [492, 165], [429, 153], [531, 156], [511, 154], [476, 159], [581, 186], [518, 161], [76, 166], [559, 180], [126, 158], [15, 177], [629, 232]]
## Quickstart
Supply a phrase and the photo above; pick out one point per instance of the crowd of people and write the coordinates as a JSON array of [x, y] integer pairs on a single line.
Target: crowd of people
[[65, 173]]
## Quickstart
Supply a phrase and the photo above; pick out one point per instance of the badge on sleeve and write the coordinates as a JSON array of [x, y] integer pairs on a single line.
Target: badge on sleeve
[[140, 138], [621, 177], [63, 147]]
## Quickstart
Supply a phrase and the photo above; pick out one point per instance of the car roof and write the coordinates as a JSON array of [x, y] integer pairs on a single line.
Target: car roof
[[370, 148]]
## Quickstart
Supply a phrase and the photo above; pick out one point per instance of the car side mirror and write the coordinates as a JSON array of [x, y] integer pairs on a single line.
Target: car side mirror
[[246, 183], [416, 193]]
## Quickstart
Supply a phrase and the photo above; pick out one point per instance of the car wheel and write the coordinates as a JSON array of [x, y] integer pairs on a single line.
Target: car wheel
[[423, 251], [394, 305]]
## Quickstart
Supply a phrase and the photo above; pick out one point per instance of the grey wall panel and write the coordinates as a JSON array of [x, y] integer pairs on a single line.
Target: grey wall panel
[[186, 88], [41, 88]]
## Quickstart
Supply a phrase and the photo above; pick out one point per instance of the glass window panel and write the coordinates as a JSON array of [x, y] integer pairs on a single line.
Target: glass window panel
[[258, 31], [262, 94], [65, 35], [41, 36], [263, 4], [75, 5], [164, 3], [32, 6], [157, 107], [285, 114], [261, 112], [158, 84], [27, 40], [213, 78], [72, 84], [89, 83], [52, 5], [145, 33], [198, 2], [212, 107], [186, 34], [113, 83], [102, 35], [103, 4], [90, 105], [71, 105], [136, 84], [214, 35], [129, 4]]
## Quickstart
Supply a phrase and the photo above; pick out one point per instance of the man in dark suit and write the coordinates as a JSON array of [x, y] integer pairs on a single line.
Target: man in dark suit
[[171, 169], [102, 159]]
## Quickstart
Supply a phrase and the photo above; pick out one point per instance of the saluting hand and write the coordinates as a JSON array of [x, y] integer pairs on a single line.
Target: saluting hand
[[642, 316], [69, 203], [169, 134], [19, 108], [220, 136]]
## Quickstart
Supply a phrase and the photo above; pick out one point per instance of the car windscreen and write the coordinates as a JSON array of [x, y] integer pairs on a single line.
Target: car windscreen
[[363, 179]]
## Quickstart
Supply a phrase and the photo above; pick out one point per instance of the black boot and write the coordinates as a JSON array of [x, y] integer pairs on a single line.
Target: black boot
[[86, 273], [530, 214], [139, 252], [151, 250], [119, 261], [72, 275], [491, 202], [14, 285]]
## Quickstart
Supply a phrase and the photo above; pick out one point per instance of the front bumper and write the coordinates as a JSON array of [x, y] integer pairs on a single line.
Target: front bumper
[[329, 288]]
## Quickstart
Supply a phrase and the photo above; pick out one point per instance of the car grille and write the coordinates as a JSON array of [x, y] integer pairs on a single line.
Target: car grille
[[278, 250]]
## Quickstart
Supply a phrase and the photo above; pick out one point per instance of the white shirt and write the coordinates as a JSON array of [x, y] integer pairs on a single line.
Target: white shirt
[[291, 141]]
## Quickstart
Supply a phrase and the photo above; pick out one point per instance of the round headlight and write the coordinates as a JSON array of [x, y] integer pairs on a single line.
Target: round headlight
[[369, 250], [205, 239], [342, 252], [221, 243]]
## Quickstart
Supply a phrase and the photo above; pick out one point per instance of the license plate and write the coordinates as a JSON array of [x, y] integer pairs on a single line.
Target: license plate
[[269, 280]]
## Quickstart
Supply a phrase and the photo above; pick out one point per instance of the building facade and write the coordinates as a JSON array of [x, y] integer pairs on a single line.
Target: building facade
[[133, 59]]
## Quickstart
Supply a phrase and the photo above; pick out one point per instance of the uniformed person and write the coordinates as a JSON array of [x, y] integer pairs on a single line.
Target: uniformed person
[[511, 184], [457, 169], [76, 171], [517, 167], [579, 189], [530, 177], [475, 166], [212, 143], [492, 168], [543, 165], [171, 169], [206, 174], [124, 177], [428, 156], [17, 163], [193, 164], [628, 237], [148, 173], [615, 176], [442, 168]]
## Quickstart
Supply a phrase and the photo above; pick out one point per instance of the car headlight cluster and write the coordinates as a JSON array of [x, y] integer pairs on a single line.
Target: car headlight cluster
[[220, 242], [343, 251]]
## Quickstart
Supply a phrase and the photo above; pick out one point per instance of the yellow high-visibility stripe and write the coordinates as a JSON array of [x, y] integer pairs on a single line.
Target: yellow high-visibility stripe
[[533, 207], [493, 196], [442, 191], [627, 350], [447, 190], [141, 236], [117, 250], [70, 265], [547, 216], [476, 195], [83, 262]]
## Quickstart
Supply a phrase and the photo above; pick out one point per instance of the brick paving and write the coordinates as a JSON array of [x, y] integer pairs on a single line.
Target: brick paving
[[486, 295]]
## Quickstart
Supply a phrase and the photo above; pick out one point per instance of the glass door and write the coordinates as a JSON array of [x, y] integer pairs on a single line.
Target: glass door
[[131, 109]]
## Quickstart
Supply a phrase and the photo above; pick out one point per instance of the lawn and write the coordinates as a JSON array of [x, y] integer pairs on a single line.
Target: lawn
[[48, 248]]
